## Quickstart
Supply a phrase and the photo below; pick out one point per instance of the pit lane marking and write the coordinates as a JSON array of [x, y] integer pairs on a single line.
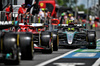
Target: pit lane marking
[[84, 55], [90, 50], [97, 63], [68, 64], [54, 59], [49, 61], [98, 39]]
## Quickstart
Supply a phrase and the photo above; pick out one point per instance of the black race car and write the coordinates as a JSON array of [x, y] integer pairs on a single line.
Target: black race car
[[14, 46], [76, 35]]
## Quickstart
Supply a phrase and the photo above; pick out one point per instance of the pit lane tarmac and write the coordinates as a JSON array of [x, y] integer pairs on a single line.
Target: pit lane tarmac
[[77, 57], [65, 57]]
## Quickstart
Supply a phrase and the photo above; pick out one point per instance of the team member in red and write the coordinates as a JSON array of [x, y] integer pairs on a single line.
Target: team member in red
[[22, 10], [9, 9], [48, 16]]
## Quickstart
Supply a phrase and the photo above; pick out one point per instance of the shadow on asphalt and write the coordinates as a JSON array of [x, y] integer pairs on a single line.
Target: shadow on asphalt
[[67, 47]]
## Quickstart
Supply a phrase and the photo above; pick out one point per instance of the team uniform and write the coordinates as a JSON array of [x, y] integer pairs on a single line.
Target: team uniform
[[8, 10], [22, 11]]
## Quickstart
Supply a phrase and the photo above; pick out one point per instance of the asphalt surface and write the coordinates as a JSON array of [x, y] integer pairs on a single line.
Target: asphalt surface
[[72, 61], [39, 57]]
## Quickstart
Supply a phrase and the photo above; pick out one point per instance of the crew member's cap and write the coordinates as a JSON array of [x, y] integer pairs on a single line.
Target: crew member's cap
[[28, 5], [23, 4]]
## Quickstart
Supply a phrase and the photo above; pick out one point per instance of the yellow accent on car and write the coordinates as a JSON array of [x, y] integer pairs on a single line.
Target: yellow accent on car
[[1, 44], [32, 47], [18, 40], [57, 40]]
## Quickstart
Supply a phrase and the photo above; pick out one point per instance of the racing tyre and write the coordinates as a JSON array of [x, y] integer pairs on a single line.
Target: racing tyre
[[47, 42], [91, 47], [14, 62], [10, 47], [26, 46], [50, 50], [55, 41], [0, 40], [92, 39]]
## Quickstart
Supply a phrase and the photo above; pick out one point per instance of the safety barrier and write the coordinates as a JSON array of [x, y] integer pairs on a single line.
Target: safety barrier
[[21, 18]]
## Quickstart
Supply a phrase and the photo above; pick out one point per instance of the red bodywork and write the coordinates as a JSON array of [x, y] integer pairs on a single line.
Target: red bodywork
[[96, 21], [28, 28], [84, 20], [33, 30], [8, 14], [55, 21], [47, 4]]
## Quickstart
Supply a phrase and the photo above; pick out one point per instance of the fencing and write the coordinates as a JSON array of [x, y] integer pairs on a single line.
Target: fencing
[[21, 18]]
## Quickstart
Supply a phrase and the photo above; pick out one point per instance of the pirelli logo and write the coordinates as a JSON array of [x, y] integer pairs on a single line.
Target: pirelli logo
[[6, 23]]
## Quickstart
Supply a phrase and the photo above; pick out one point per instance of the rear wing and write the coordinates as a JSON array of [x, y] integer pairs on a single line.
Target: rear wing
[[6, 24], [74, 24], [66, 26], [36, 25]]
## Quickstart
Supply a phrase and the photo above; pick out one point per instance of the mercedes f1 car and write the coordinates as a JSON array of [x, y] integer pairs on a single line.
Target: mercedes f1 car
[[76, 35]]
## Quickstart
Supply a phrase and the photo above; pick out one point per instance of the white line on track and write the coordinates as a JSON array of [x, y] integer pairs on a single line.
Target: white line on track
[[97, 63], [54, 59], [98, 39]]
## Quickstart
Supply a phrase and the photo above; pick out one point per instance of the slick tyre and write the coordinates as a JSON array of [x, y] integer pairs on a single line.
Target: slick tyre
[[91, 47], [47, 41], [10, 46], [0, 41], [14, 62], [55, 41], [92, 40], [26, 46]]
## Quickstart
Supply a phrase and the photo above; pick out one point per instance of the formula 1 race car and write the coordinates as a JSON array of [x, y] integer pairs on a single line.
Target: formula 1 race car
[[75, 35], [44, 40], [13, 45]]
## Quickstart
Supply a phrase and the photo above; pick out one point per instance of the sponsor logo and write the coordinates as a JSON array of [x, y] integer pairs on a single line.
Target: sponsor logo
[[6, 23], [41, 4]]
